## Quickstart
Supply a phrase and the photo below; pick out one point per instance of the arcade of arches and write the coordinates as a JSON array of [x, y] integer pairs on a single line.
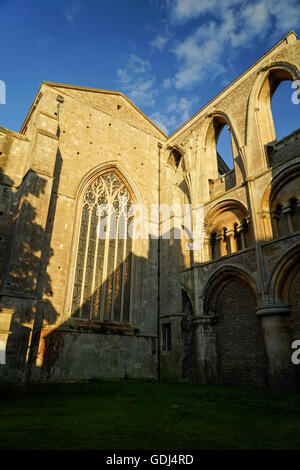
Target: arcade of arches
[[213, 299]]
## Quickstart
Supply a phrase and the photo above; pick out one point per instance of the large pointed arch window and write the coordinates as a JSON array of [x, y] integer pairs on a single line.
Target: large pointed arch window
[[104, 257]]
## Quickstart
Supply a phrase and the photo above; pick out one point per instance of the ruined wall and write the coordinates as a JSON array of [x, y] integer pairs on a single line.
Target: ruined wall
[[70, 138], [240, 285], [245, 202]]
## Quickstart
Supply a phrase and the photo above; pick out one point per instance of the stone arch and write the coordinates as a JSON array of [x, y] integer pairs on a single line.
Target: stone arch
[[259, 120], [228, 229], [283, 274], [110, 165], [280, 204], [216, 121], [189, 295], [285, 287], [182, 196], [135, 197], [231, 296], [218, 279], [175, 156]]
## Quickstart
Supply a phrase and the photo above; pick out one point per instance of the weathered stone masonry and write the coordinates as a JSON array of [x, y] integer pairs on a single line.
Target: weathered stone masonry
[[76, 308]]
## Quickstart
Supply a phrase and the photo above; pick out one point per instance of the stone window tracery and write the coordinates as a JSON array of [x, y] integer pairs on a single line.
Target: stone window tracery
[[104, 257]]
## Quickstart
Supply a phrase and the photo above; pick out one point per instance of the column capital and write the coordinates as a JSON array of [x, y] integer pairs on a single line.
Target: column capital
[[273, 309], [208, 319], [286, 209]]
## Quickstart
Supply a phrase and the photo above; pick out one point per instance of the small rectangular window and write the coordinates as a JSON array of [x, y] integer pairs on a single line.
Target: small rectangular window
[[166, 332]]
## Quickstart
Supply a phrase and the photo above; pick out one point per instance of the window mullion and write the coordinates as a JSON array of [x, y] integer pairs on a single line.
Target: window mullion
[[123, 269], [115, 268], [94, 270], [85, 262], [105, 263]]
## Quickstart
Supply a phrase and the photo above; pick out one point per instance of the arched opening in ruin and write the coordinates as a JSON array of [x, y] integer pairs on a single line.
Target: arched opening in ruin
[[231, 297], [284, 203], [220, 145], [174, 158], [285, 283], [225, 166], [228, 229], [224, 151], [285, 109], [278, 110]]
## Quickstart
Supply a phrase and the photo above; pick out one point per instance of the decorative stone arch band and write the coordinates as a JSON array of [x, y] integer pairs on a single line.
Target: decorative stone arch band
[[282, 276], [284, 177], [225, 205], [236, 223]]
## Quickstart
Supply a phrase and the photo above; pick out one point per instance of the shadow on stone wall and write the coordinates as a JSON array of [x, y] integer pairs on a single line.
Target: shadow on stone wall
[[84, 347], [25, 285], [34, 349]]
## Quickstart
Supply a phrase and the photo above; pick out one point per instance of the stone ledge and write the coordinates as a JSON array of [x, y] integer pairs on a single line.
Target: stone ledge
[[99, 327], [273, 309]]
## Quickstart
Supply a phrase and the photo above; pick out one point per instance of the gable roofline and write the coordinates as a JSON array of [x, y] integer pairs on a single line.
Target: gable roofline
[[32, 107], [185, 124], [234, 82], [93, 90]]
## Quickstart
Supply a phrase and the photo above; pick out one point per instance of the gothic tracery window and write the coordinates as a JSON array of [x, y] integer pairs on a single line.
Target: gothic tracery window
[[104, 257]]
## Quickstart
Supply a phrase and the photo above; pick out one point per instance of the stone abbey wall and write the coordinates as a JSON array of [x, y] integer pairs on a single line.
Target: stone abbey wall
[[228, 309]]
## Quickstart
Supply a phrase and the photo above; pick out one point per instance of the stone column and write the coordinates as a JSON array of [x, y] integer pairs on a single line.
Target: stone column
[[206, 249], [266, 225], [297, 217], [288, 211], [206, 354], [221, 242], [278, 341], [275, 216], [240, 230], [230, 235]]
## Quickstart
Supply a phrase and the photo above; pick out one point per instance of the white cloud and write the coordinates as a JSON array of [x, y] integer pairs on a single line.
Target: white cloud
[[226, 26], [176, 111], [137, 81], [181, 108], [160, 120], [167, 83], [219, 31], [159, 42], [184, 10], [72, 10], [201, 52]]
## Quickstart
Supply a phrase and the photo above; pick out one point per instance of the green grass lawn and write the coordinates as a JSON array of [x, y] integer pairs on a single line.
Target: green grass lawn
[[133, 415]]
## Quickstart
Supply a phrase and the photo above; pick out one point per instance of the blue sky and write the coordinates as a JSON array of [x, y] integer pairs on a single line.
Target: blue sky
[[170, 57]]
